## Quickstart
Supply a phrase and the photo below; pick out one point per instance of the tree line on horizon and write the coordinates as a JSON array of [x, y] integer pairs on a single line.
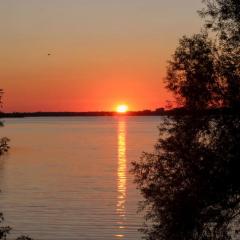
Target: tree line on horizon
[[191, 182]]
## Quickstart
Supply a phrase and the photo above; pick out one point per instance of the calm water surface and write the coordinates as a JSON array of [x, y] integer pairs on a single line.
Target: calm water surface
[[68, 178]]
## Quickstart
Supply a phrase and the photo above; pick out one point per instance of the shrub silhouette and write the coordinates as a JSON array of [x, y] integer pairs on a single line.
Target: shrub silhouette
[[3, 141], [4, 147]]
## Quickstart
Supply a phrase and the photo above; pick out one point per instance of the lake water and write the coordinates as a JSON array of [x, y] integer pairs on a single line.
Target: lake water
[[67, 178]]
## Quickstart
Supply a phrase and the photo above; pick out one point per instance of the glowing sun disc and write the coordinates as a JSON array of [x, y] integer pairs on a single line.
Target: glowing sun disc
[[122, 108]]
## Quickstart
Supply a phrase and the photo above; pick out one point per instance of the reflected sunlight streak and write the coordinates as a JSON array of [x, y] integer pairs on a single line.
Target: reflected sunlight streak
[[122, 168]]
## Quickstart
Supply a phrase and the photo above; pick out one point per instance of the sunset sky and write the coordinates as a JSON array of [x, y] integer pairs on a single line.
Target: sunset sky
[[89, 55]]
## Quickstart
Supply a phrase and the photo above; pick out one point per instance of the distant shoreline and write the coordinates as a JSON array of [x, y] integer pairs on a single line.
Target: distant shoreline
[[81, 114], [157, 112]]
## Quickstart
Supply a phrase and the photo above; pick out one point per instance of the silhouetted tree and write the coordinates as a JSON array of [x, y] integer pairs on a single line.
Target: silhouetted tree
[[3, 141], [223, 18], [5, 230], [191, 73], [191, 182]]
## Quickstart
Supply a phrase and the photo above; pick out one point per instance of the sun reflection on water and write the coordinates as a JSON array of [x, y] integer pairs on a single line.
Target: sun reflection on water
[[121, 173]]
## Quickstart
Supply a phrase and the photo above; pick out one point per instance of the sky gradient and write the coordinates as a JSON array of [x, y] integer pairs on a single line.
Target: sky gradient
[[89, 55]]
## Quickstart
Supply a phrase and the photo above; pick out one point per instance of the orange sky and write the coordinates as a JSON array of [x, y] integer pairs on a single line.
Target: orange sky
[[102, 52]]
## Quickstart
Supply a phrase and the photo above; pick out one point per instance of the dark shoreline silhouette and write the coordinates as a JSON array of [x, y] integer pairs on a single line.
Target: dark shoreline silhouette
[[80, 114], [157, 112]]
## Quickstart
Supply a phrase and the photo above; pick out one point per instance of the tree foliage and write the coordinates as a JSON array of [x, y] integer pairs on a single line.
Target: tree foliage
[[191, 182], [191, 73], [4, 147], [4, 140], [223, 17]]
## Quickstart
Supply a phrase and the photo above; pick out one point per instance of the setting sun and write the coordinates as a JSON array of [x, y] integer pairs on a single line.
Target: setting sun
[[122, 108]]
